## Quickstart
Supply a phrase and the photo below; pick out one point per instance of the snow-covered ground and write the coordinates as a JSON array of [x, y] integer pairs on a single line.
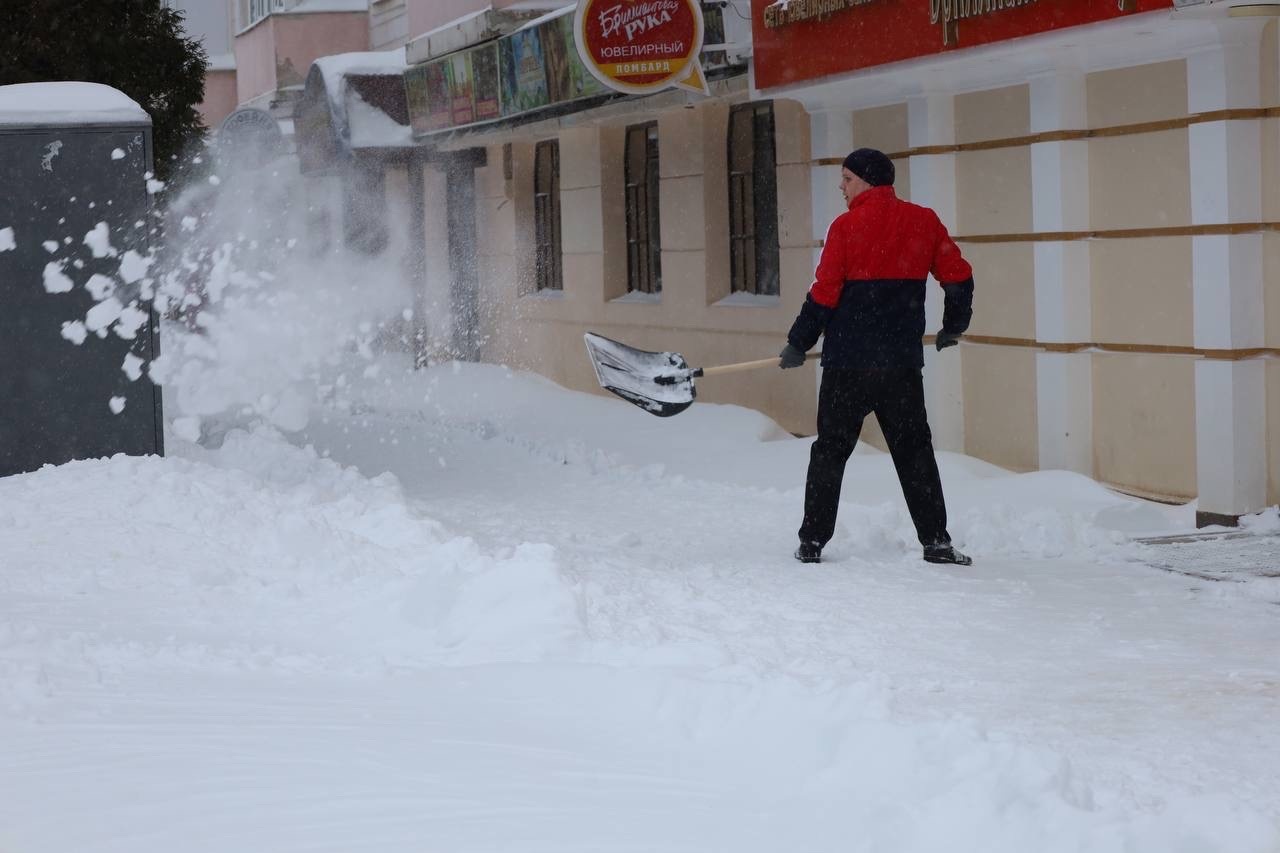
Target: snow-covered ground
[[360, 607], [467, 610]]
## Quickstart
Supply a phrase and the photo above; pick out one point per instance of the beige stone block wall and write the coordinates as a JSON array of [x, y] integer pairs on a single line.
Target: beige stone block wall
[[1137, 94], [681, 212], [1144, 423], [1000, 423], [1271, 287], [1270, 95], [613, 209], [713, 130], [791, 133], [1140, 181], [1142, 291], [993, 192], [883, 128], [1273, 431], [993, 114], [1004, 293]]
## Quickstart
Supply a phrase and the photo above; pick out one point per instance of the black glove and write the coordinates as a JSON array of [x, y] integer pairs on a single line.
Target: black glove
[[790, 357], [946, 339]]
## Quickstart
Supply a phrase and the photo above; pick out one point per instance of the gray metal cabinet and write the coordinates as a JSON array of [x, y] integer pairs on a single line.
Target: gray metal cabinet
[[57, 183]]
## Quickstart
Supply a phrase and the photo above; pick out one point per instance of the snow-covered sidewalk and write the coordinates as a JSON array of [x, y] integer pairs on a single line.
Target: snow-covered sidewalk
[[470, 610]]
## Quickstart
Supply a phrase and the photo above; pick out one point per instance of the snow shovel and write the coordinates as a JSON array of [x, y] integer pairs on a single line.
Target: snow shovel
[[661, 383]]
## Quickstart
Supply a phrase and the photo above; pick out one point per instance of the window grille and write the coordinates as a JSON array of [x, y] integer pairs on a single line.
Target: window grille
[[546, 216], [644, 245], [753, 200]]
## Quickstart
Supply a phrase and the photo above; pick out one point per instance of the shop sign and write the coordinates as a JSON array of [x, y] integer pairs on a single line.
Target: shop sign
[[641, 46], [799, 40], [544, 64]]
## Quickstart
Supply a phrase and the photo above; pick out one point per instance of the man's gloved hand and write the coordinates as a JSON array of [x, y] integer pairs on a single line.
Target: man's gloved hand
[[946, 339], [790, 357]]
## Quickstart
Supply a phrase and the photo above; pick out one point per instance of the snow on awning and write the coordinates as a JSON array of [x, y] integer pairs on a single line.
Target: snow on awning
[[67, 103], [352, 101], [377, 112]]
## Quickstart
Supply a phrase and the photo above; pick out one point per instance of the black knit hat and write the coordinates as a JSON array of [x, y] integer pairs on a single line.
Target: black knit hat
[[872, 166]]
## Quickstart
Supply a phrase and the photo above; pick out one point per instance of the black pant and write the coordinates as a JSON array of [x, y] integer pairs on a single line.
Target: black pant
[[896, 395]]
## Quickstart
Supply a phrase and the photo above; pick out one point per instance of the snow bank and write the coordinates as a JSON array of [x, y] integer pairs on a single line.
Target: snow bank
[[1042, 514], [261, 532]]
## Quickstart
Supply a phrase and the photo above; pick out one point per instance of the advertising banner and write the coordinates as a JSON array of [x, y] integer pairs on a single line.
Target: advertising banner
[[415, 93], [567, 76], [641, 46], [485, 85], [793, 39], [439, 98], [524, 75], [457, 70]]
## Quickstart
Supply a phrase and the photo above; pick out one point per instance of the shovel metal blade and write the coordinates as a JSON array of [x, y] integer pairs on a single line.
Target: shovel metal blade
[[633, 375]]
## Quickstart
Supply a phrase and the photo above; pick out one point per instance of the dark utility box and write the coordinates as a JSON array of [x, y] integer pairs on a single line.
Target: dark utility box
[[59, 180]]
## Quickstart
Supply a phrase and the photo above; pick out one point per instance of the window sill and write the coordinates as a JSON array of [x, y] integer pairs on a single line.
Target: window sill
[[748, 300], [637, 297], [547, 294]]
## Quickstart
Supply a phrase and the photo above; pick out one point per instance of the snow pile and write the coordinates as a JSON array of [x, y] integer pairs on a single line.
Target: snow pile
[[1267, 521], [1041, 515], [264, 534]]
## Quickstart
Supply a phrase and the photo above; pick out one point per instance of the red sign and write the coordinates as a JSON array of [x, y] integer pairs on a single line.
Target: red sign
[[641, 46], [798, 40]]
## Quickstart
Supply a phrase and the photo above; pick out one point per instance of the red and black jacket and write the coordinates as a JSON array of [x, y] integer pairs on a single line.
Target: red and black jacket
[[868, 293]]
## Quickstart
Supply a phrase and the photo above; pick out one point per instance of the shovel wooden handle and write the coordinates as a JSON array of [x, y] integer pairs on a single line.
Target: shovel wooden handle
[[747, 365]]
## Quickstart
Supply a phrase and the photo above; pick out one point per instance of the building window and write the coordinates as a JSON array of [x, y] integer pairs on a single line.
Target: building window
[[546, 215], [644, 246], [252, 11], [753, 200]]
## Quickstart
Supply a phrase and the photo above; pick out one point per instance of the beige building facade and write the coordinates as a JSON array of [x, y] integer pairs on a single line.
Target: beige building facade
[[1114, 186], [1113, 183]]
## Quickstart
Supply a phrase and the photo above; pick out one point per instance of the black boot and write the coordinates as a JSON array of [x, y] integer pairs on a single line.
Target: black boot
[[946, 554], [809, 552]]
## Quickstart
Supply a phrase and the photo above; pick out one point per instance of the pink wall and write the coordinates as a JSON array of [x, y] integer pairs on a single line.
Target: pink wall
[[302, 39], [426, 15], [279, 51], [255, 60], [219, 97]]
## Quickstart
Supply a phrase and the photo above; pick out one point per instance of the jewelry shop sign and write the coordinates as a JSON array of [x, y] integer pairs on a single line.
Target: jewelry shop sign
[[641, 46]]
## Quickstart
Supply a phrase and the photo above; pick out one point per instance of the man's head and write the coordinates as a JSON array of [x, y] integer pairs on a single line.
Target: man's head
[[863, 169]]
